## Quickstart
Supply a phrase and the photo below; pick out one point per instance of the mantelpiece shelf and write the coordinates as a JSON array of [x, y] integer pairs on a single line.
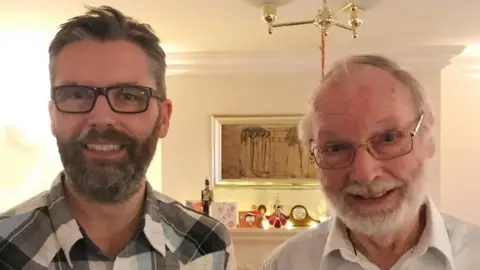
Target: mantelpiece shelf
[[261, 236]]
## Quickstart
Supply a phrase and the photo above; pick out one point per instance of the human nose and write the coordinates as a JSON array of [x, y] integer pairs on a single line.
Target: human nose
[[365, 168], [101, 115]]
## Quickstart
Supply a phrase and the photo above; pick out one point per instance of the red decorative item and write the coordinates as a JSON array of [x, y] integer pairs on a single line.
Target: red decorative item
[[277, 219], [322, 49]]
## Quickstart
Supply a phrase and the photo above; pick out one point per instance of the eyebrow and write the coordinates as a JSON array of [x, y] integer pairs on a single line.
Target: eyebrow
[[74, 83], [387, 121], [379, 126]]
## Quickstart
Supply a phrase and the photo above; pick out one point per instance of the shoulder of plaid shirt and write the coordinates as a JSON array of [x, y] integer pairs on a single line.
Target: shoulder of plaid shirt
[[42, 234]]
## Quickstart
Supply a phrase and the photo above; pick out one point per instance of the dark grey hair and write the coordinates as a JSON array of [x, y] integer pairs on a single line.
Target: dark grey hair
[[105, 23], [419, 95]]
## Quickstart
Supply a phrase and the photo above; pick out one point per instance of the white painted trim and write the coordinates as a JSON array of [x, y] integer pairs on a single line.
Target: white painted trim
[[212, 63], [467, 65]]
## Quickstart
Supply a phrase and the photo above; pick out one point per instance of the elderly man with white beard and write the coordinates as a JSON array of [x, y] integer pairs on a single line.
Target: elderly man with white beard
[[369, 130]]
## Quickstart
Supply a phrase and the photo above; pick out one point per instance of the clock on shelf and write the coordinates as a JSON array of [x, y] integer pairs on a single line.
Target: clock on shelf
[[299, 217]]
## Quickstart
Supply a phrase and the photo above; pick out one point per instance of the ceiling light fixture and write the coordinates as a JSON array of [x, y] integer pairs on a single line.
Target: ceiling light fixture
[[325, 17]]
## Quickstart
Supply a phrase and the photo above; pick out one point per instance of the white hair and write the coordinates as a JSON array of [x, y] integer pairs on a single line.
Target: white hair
[[342, 67]]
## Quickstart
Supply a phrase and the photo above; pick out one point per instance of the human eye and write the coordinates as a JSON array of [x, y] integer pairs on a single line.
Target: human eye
[[73, 93], [391, 144], [387, 140], [77, 94], [334, 147], [388, 137], [126, 94]]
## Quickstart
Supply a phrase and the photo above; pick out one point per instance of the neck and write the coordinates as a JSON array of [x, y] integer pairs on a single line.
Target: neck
[[109, 225], [385, 250]]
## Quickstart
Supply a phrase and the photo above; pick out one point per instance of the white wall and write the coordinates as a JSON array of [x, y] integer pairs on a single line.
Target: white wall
[[25, 169], [460, 143]]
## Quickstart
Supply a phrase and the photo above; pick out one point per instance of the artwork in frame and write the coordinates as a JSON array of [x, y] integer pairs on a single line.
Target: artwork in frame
[[261, 151]]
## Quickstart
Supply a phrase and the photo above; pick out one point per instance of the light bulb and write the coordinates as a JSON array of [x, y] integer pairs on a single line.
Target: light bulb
[[265, 224], [289, 225]]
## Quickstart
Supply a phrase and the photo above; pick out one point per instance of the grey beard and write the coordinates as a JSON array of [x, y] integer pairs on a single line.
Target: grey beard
[[107, 183]]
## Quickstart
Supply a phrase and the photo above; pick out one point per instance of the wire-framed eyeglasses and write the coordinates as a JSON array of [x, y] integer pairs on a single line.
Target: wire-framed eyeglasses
[[384, 146]]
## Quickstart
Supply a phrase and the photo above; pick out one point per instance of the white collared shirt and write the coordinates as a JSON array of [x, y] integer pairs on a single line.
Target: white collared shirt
[[446, 243]]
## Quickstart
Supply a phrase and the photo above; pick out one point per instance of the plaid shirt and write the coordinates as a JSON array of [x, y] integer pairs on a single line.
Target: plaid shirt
[[41, 234]]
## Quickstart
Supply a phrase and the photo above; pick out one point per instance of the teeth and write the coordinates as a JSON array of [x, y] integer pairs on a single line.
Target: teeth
[[372, 196], [378, 195], [104, 147]]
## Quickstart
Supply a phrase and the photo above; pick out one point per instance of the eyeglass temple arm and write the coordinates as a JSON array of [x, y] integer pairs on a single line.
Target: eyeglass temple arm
[[419, 124]]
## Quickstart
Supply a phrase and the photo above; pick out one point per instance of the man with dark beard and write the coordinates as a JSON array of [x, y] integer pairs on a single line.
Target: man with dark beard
[[108, 109], [369, 130]]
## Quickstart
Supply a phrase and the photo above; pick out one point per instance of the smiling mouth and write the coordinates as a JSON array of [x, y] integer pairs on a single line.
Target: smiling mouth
[[104, 147], [375, 196]]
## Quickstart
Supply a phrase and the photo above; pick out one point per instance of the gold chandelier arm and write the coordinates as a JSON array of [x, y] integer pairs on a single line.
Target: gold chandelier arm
[[293, 23], [346, 27], [324, 19], [343, 8]]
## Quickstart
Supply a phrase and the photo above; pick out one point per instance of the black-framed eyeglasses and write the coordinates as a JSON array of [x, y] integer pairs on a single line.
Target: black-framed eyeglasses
[[384, 146], [120, 98]]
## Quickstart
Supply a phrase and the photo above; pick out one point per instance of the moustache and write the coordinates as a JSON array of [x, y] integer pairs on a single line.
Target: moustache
[[376, 187], [109, 135]]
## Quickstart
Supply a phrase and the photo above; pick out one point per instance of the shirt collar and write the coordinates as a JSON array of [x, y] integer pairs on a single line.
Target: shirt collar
[[64, 225], [435, 236], [153, 221], [68, 232], [337, 238]]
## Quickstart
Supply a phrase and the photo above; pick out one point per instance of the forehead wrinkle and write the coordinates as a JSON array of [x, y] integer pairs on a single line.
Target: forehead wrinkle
[[351, 126], [361, 76], [331, 130], [360, 95]]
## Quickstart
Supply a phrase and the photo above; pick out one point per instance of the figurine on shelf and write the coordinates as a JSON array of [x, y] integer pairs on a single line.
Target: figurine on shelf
[[277, 219], [207, 198], [262, 209]]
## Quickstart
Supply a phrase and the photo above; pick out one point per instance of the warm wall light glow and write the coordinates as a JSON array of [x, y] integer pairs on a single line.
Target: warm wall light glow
[[177, 63], [471, 51], [172, 48], [26, 166], [25, 80], [265, 224], [323, 218], [289, 225]]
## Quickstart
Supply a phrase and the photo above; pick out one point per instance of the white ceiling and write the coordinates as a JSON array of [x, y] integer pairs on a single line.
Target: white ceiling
[[234, 25]]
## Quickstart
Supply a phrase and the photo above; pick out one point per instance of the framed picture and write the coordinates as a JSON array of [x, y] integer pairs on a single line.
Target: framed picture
[[261, 151]]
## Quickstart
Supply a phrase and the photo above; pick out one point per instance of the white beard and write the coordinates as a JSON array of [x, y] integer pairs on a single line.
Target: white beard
[[383, 222]]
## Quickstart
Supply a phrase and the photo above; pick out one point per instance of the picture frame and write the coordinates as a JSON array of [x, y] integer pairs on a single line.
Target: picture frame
[[260, 151]]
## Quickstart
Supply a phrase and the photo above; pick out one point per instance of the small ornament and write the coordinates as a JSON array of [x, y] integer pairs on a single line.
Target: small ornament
[[262, 209], [277, 219], [207, 198], [299, 217]]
